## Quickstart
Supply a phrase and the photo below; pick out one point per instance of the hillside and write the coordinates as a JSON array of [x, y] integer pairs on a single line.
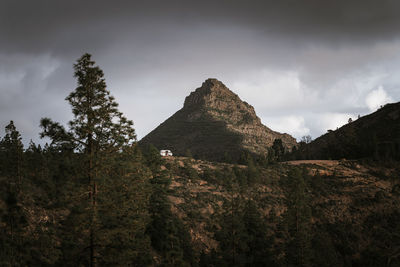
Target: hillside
[[353, 208], [215, 122], [376, 135]]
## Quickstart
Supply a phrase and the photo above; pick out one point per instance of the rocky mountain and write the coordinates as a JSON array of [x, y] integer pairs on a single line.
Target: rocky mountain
[[376, 136], [213, 123]]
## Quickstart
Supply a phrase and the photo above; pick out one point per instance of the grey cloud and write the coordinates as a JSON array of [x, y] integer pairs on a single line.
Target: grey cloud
[[42, 25], [154, 53]]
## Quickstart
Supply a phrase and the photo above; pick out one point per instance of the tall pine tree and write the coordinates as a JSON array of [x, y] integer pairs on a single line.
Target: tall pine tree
[[169, 236], [98, 134], [13, 218], [11, 149], [298, 219]]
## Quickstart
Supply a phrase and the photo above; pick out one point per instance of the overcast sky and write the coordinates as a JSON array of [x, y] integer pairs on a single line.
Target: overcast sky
[[305, 65]]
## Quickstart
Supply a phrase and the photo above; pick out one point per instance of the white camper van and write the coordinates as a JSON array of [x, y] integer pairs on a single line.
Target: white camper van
[[165, 153]]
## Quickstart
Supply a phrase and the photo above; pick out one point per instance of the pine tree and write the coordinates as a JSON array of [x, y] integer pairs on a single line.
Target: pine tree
[[124, 209], [257, 253], [232, 235], [169, 236], [97, 133], [152, 157], [278, 149], [253, 174], [13, 220], [11, 148], [298, 220]]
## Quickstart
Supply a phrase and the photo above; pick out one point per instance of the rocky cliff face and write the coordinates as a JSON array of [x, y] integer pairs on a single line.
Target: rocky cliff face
[[214, 122]]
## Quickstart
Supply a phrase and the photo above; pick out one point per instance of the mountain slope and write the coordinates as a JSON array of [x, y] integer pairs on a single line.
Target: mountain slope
[[376, 135], [215, 122]]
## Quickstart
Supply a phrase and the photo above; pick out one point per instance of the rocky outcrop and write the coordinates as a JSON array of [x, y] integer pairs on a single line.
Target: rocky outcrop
[[214, 122]]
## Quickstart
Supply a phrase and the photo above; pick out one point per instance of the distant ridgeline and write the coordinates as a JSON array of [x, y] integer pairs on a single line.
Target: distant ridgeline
[[215, 124], [375, 136]]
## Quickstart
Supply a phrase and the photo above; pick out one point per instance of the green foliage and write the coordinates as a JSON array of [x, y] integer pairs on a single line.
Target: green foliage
[[241, 176], [169, 237], [124, 209], [97, 123], [152, 157], [278, 149], [11, 149], [13, 238], [253, 173], [324, 251], [258, 242], [298, 219], [232, 233], [103, 139], [188, 171], [243, 239], [385, 229], [208, 176], [24, 225]]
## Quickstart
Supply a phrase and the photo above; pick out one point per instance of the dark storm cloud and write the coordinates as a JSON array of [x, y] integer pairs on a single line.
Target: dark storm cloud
[[284, 57], [60, 26]]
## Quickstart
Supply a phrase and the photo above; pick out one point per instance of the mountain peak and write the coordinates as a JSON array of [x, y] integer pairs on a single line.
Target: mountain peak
[[212, 82], [208, 94], [214, 121]]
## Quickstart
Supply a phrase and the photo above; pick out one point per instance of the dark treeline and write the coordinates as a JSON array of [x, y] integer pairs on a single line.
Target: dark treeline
[[48, 216], [54, 214], [276, 153]]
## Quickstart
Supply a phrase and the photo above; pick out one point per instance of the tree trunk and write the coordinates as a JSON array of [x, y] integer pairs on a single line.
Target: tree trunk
[[92, 199]]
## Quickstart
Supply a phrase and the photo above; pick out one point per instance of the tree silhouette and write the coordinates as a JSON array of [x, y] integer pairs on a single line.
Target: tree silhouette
[[97, 132]]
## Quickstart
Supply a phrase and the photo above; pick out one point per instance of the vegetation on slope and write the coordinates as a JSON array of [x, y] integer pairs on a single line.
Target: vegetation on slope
[[322, 213], [375, 136]]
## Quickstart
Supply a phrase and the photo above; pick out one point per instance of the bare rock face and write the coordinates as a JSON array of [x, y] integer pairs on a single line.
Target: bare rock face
[[214, 122], [214, 98]]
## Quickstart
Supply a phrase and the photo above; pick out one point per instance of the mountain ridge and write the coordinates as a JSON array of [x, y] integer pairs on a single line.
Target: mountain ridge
[[376, 135]]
